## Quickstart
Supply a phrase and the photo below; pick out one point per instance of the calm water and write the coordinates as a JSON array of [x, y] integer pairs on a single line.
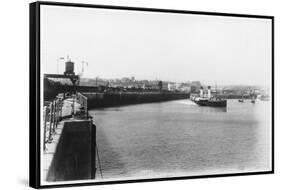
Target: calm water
[[179, 138]]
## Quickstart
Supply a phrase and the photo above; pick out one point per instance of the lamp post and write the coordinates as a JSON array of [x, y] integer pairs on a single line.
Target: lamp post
[[97, 87]]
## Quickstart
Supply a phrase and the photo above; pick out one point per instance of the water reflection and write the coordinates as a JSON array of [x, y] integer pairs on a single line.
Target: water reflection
[[206, 109]]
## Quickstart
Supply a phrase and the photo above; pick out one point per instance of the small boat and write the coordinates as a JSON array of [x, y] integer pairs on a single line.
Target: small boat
[[264, 98], [242, 99], [253, 99]]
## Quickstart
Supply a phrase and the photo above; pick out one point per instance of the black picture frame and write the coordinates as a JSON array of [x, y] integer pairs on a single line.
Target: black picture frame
[[34, 83]]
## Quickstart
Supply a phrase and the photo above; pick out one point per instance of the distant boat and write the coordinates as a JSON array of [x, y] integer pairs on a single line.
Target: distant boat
[[242, 99], [264, 98], [211, 101], [253, 100]]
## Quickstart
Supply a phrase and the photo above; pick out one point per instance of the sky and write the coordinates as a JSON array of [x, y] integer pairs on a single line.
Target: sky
[[161, 46]]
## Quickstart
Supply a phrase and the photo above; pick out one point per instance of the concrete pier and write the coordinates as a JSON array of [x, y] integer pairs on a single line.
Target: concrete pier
[[96, 100], [71, 152]]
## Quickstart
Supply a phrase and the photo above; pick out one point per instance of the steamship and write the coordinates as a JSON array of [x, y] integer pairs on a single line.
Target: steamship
[[209, 100]]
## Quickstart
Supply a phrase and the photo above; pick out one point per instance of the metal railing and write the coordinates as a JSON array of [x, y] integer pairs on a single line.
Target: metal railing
[[52, 114]]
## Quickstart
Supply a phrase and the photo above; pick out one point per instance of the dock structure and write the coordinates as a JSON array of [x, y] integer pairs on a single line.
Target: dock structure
[[69, 142], [108, 99]]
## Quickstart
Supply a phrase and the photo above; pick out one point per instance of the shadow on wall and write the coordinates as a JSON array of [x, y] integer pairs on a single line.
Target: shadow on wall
[[75, 156]]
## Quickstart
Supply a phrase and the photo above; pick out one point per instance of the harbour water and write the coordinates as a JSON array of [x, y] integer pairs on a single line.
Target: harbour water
[[180, 138]]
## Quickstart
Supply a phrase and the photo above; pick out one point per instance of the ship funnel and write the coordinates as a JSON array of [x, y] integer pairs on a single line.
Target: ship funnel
[[201, 92], [209, 92]]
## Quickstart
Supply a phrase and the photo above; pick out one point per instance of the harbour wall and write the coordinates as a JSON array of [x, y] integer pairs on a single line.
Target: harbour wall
[[51, 90], [74, 158], [96, 100], [229, 96]]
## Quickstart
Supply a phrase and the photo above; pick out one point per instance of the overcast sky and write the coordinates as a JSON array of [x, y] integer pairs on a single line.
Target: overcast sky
[[163, 46]]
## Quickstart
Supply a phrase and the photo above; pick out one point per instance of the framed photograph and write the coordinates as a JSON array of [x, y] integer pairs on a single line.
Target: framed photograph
[[127, 94]]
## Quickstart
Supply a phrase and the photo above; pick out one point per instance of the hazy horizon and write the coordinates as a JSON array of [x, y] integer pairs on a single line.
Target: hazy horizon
[[208, 83], [157, 46]]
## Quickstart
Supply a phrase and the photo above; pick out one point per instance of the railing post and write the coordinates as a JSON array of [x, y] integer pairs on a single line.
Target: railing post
[[86, 107], [61, 102], [51, 116], [53, 113], [50, 122], [56, 114], [45, 126]]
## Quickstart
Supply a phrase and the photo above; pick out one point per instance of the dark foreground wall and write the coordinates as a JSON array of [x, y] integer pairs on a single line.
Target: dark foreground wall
[[96, 100], [75, 156]]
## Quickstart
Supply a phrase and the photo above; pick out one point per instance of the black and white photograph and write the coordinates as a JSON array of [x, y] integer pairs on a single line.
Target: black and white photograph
[[135, 94]]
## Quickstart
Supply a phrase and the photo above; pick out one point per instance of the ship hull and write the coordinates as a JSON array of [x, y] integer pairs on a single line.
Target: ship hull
[[211, 103], [220, 103], [201, 102]]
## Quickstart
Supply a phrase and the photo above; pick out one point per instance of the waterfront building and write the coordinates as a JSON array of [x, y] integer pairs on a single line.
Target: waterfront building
[[172, 87], [195, 86]]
